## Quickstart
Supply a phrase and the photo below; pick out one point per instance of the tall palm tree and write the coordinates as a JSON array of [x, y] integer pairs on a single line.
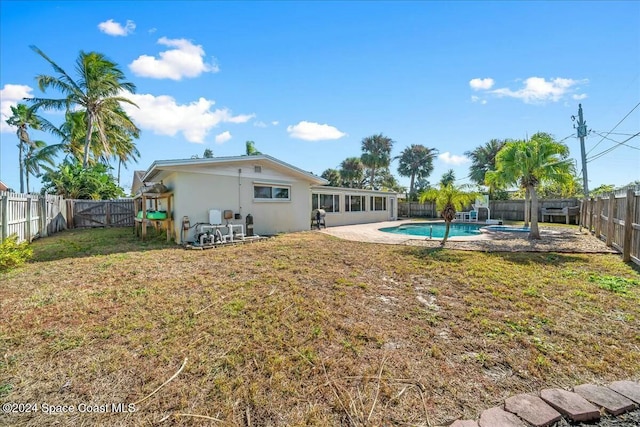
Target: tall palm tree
[[352, 172], [376, 153], [448, 178], [97, 91], [449, 199], [416, 162], [38, 155], [483, 159], [250, 149], [529, 164], [23, 118], [333, 176]]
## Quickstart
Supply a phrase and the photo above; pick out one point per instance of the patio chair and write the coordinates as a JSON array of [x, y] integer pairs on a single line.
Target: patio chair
[[473, 216]]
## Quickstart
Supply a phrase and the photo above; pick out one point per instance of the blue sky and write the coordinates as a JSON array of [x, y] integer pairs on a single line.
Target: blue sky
[[308, 80]]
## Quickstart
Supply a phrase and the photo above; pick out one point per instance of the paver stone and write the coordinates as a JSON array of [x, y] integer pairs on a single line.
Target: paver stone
[[606, 398], [532, 409], [628, 389], [497, 417], [464, 423], [570, 404]]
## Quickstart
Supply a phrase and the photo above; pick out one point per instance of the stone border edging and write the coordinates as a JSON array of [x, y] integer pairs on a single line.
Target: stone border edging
[[583, 403]]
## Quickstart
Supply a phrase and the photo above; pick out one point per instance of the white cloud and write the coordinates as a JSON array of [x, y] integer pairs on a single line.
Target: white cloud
[[475, 98], [539, 90], [260, 124], [164, 116], [184, 60], [453, 159], [311, 131], [11, 95], [223, 137], [484, 84], [579, 96], [275, 123], [113, 28]]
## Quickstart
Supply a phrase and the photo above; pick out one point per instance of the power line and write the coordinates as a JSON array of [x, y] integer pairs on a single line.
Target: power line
[[618, 142], [608, 150], [614, 128]]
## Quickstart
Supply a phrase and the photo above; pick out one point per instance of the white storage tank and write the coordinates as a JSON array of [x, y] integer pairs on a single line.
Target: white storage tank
[[215, 217]]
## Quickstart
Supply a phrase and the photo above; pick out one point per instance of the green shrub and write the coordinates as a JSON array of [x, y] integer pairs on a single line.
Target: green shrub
[[13, 254]]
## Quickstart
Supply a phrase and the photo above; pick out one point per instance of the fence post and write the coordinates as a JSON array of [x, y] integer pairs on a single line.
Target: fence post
[[5, 216], [628, 225], [599, 204], [610, 216], [43, 216], [70, 223], [107, 211], [28, 228], [590, 218]]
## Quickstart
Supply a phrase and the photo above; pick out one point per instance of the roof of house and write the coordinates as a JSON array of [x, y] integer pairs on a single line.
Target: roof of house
[[158, 166], [3, 186]]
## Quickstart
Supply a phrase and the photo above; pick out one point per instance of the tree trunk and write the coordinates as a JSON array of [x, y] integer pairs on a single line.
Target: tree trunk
[[21, 165], [411, 183], [27, 176], [87, 141], [446, 232], [527, 207], [534, 233], [373, 175], [119, 164]]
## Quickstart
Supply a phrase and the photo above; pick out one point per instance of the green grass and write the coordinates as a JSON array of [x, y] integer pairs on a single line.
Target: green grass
[[305, 329]]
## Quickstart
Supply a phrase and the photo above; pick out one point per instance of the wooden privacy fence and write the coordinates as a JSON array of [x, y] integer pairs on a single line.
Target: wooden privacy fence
[[100, 213], [616, 220], [30, 215], [508, 210]]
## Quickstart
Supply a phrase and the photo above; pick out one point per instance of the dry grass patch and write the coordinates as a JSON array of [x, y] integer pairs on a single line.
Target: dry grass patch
[[305, 329]]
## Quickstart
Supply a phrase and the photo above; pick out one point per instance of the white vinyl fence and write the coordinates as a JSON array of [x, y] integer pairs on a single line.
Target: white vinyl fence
[[31, 215]]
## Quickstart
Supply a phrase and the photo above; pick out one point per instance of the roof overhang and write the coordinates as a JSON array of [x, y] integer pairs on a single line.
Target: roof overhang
[[160, 168]]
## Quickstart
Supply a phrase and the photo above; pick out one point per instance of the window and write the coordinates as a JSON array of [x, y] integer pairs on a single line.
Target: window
[[354, 203], [328, 202], [271, 192], [378, 203]]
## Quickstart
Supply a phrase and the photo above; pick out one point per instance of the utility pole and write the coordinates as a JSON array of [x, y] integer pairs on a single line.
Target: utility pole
[[582, 133]]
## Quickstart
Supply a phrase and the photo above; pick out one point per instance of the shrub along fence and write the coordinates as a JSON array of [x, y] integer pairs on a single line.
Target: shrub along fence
[[616, 220], [508, 210], [30, 215]]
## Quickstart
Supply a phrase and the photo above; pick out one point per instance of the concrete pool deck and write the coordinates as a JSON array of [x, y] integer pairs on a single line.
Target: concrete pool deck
[[556, 238]]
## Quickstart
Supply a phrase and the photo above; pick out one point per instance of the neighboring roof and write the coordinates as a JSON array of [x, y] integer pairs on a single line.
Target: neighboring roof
[[3, 186], [160, 165]]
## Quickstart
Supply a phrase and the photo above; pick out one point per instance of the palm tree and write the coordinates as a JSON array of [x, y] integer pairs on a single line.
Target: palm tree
[[376, 153], [38, 154], [448, 178], [250, 149], [333, 176], [416, 162], [23, 118], [449, 199], [208, 153], [352, 172], [483, 159], [529, 164], [98, 92]]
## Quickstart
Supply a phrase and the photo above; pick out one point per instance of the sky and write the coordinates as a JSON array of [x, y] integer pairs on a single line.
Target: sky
[[307, 81]]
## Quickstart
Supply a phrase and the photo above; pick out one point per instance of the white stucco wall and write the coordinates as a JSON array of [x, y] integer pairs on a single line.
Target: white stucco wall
[[197, 192]]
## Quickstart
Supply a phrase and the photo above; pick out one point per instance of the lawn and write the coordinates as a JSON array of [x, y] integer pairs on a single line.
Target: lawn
[[304, 329]]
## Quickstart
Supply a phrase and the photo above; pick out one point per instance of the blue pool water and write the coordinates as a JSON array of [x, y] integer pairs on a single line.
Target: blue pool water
[[436, 229]]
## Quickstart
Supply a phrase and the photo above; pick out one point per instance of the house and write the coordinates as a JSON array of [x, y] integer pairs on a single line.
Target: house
[[280, 197]]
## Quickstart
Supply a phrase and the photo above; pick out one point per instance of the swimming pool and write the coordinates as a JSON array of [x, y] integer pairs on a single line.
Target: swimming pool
[[435, 229]]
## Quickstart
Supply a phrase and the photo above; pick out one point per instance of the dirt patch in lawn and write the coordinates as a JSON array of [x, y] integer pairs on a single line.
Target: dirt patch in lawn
[[306, 329]]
